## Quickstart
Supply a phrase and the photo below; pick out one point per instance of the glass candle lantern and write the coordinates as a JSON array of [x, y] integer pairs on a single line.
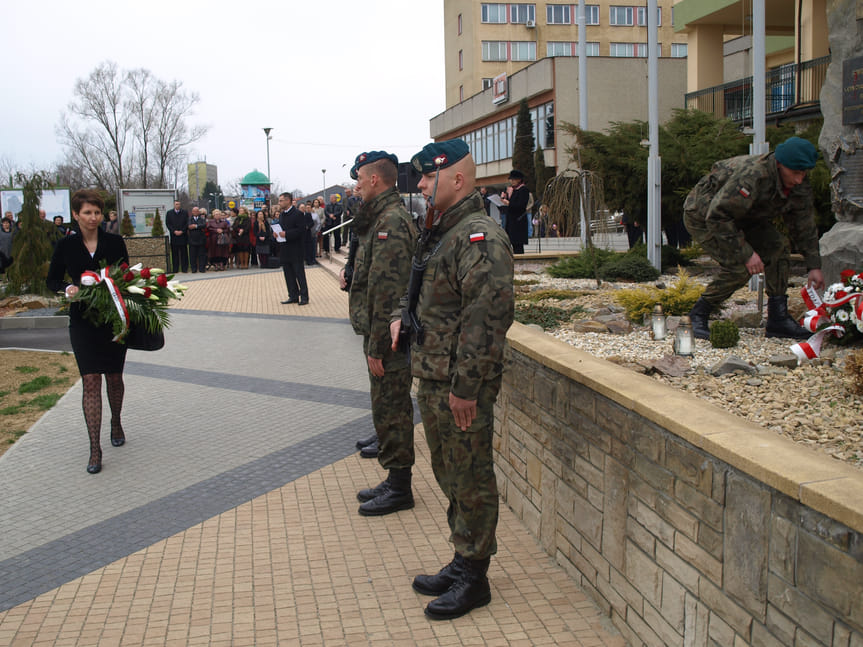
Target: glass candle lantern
[[657, 322], [684, 342]]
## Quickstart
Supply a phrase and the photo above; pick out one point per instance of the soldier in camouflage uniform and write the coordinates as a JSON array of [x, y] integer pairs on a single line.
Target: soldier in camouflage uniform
[[382, 266], [465, 307], [730, 213]]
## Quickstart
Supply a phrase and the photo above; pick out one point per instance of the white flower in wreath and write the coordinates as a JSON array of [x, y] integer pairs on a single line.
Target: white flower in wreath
[[842, 315], [857, 322]]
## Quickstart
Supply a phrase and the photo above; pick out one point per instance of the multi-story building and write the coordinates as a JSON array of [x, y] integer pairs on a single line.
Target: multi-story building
[[199, 174], [719, 69], [484, 39]]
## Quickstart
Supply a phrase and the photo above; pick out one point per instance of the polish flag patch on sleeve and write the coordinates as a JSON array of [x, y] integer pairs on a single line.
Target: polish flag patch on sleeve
[[743, 191], [382, 235], [477, 237]]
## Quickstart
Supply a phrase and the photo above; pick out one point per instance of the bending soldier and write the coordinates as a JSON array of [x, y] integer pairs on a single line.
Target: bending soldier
[[730, 213]]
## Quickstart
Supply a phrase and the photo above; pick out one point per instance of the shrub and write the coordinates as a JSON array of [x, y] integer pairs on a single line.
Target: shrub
[[676, 299], [724, 334], [546, 317], [583, 266], [158, 229], [629, 267], [671, 256], [560, 295], [126, 228]]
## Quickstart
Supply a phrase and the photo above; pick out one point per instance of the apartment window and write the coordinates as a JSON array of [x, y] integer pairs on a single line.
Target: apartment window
[[679, 50], [523, 50], [522, 13], [487, 83], [559, 49], [459, 24], [592, 49], [460, 59], [461, 93], [494, 50], [621, 49], [557, 14], [642, 16], [494, 12], [621, 16], [591, 14]]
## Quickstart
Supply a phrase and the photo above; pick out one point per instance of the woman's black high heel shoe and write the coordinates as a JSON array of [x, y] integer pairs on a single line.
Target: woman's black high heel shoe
[[118, 438], [95, 464]]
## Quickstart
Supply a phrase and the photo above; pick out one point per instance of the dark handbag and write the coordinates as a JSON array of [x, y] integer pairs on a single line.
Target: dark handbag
[[139, 338], [223, 239]]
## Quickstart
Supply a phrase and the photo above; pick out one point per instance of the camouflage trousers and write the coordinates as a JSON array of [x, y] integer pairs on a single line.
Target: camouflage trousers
[[771, 245], [463, 466], [393, 411]]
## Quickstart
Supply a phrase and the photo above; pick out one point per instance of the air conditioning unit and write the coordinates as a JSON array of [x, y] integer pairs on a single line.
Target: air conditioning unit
[[530, 24]]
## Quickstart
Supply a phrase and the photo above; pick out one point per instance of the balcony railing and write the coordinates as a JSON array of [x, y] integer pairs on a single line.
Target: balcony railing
[[788, 86]]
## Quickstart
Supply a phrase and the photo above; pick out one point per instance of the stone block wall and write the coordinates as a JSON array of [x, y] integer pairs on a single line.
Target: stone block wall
[[687, 525]]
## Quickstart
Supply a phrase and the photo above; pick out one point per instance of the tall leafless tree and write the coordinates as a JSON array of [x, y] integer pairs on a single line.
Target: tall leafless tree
[[128, 129]]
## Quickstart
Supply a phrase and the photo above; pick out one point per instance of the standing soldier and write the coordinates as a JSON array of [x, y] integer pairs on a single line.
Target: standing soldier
[[465, 306], [382, 264], [730, 213]]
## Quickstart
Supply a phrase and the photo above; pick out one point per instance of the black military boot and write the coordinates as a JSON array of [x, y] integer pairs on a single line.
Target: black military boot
[[699, 315], [396, 495], [371, 451], [370, 493], [365, 442], [780, 323], [439, 583], [469, 592]]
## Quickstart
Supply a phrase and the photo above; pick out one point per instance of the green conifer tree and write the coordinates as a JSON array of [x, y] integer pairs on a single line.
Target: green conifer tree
[[126, 228], [31, 248], [158, 229], [522, 150], [541, 172]]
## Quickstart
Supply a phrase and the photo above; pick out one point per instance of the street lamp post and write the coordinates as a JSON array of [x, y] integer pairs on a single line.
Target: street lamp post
[[324, 192], [267, 133]]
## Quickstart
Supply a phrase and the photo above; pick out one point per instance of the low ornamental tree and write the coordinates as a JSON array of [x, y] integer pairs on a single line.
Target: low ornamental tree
[[126, 228], [31, 248], [158, 230]]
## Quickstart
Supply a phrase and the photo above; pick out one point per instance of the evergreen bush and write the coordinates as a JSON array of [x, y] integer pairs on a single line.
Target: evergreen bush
[[126, 228], [158, 230], [629, 267], [676, 299], [724, 334], [31, 247], [583, 266]]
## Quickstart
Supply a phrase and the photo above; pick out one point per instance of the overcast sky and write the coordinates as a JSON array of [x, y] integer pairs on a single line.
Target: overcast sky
[[331, 77]]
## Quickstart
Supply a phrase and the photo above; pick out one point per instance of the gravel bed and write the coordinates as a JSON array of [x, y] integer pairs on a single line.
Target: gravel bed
[[812, 404]]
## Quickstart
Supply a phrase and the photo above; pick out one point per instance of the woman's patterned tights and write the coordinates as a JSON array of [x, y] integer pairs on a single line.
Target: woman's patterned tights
[[92, 404]]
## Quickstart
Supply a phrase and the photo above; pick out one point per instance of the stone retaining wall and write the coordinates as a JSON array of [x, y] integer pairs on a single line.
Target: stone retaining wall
[[687, 525], [151, 251]]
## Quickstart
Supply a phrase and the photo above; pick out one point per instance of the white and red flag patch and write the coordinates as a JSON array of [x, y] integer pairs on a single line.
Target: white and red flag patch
[[383, 235], [744, 192], [477, 237]]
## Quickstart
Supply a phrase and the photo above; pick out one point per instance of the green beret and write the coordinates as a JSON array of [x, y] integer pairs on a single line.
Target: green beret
[[372, 156], [797, 154], [439, 155]]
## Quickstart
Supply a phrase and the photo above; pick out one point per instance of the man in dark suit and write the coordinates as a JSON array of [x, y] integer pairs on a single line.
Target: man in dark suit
[[177, 222], [291, 251]]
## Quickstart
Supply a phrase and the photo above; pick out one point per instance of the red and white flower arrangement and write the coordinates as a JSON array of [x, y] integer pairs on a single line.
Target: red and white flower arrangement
[[839, 312], [121, 296]]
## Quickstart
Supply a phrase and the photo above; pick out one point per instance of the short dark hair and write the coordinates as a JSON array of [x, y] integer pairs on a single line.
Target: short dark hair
[[385, 170], [287, 195], [88, 196]]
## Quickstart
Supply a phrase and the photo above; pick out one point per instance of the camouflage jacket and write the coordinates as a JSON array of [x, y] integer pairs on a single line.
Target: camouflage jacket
[[746, 192], [466, 303], [382, 267]]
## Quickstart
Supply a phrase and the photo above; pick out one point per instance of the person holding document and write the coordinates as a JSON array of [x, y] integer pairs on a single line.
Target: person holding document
[[289, 234]]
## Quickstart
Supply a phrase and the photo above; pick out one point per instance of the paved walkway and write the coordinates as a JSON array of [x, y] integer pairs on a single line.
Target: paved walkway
[[229, 517]]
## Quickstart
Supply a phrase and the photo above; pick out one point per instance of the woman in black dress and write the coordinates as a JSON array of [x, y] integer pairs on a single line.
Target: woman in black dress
[[95, 353]]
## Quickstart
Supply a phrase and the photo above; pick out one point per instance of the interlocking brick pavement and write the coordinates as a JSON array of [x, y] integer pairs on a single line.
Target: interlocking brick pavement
[[230, 516]]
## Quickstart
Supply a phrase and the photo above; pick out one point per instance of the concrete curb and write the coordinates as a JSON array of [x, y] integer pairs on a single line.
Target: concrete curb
[[31, 323]]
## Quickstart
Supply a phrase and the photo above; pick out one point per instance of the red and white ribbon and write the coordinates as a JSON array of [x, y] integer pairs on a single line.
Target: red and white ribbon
[[103, 277], [817, 316]]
